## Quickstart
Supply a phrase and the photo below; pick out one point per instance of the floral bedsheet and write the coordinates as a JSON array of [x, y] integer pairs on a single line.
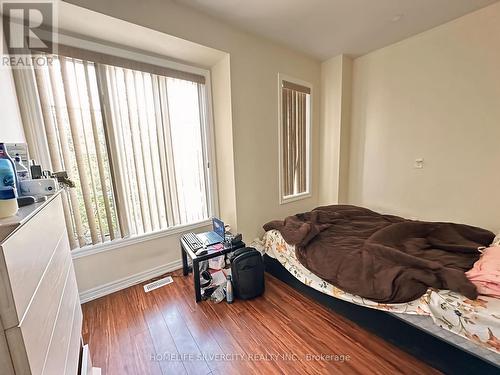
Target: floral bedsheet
[[477, 320]]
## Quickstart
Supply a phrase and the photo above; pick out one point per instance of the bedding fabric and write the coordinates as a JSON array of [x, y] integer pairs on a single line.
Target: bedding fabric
[[496, 241], [485, 274], [384, 258], [275, 246], [477, 320]]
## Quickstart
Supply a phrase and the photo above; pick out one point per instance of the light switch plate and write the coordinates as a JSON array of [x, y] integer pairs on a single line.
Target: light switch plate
[[419, 163]]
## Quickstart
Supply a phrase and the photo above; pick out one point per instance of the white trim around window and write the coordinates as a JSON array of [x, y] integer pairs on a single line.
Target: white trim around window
[[124, 242], [283, 199]]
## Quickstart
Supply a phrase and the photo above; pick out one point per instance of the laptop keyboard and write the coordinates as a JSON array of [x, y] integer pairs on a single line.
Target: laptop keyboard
[[193, 241]]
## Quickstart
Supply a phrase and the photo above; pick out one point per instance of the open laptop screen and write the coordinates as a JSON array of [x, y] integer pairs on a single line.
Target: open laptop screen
[[218, 227]]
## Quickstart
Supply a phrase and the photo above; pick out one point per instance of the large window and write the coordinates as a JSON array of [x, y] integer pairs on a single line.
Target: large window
[[295, 139], [133, 140]]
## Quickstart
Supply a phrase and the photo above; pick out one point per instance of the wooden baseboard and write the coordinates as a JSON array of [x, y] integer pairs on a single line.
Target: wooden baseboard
[[116, 285]]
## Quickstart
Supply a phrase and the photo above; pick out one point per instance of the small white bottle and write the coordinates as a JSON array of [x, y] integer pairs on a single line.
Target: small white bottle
[[8, 202], [229, 290], [21, 170]]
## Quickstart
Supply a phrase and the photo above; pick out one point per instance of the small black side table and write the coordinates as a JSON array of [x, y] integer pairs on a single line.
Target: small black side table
[[187, 251]]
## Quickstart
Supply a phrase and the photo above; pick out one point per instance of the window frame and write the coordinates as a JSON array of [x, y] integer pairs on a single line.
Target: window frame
[[308, 193], [207, 131]]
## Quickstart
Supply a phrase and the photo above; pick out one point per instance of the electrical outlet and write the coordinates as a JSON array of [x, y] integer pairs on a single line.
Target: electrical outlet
[[419, 163]]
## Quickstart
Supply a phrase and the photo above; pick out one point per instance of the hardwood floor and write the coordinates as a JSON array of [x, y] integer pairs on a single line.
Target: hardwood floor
[[282, 332]]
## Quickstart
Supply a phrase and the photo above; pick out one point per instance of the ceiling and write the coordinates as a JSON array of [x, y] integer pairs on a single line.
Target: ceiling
[[327, 28]]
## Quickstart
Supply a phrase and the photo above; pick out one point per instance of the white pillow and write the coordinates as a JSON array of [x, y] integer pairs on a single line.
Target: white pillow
[[496, 241]]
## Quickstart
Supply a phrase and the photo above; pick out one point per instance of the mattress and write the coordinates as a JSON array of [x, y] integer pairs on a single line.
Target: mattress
[[476, 320]]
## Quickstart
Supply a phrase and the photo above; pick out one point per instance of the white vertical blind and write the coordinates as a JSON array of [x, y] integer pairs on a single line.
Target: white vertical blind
[[294, 102], [98, 133], [132, 141], [75, 109], [73, 123], [156, 123], [52, 140]]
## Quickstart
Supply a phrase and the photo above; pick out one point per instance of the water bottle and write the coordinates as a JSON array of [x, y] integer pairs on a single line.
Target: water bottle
[[8, 202], [229, 290]]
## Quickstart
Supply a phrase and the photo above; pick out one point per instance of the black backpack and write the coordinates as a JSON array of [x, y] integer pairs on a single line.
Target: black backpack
[[247, 272]]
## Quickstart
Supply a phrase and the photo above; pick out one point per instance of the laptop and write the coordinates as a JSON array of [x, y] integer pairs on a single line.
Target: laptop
[[215, 236]]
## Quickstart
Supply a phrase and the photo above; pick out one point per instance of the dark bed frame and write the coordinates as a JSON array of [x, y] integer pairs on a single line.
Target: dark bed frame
[[430, 349]]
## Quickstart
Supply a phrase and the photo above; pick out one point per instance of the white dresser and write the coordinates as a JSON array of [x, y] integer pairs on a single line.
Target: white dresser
[[40, 313]]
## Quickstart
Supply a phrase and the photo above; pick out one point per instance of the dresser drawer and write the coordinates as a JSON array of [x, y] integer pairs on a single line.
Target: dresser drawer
[[25, 257], [75, 341], [59, 343], [36, 327]]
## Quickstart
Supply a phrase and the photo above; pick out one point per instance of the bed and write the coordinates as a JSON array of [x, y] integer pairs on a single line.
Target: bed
[[471, 325]]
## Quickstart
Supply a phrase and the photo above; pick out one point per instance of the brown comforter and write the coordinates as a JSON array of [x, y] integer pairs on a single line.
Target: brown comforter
[[382, 257]]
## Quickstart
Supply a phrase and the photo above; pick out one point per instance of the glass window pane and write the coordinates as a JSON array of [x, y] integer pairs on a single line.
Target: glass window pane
[[185, 127]]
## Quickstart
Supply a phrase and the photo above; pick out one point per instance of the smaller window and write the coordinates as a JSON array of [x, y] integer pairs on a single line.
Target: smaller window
[[295, 139]]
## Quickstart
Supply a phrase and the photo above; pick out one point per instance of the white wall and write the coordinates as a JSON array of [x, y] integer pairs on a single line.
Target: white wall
[[114, 266], [11, 128], [224, 146], [334, 131], [435, 96]]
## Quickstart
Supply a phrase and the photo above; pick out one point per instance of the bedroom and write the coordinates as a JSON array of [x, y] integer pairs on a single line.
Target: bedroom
[[401, 117]]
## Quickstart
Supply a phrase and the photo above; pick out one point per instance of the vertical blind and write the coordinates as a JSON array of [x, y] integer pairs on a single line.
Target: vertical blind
[[160, 163], [132, 141], [74, 128], [294, 138]]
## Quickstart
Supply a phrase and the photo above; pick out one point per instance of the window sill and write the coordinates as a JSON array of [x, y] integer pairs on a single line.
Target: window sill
[[293, 198], [122, 242]]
